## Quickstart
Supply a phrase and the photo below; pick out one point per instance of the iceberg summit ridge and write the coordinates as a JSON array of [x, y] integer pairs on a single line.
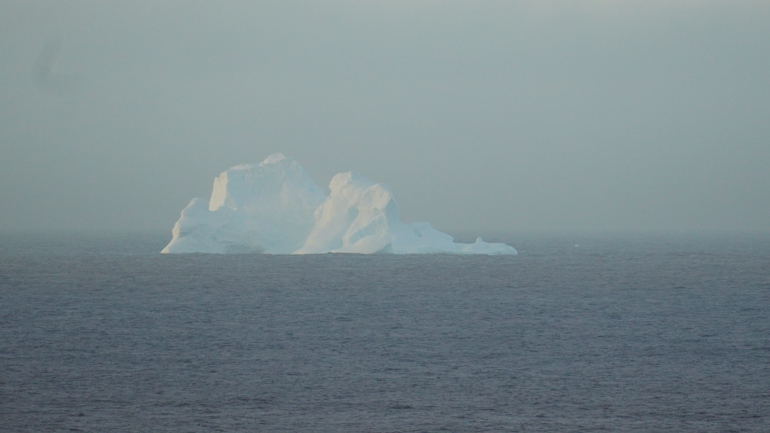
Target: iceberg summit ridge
[[275, 208]]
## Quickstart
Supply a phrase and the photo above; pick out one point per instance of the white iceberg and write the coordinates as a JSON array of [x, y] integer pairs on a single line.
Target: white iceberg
[[275, 208], [254, 208]]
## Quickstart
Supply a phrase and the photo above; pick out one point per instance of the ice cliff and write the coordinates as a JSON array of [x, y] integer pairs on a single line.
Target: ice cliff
[[275, 208], [254, 208]]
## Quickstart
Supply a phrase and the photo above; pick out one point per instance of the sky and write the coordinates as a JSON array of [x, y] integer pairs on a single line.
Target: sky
[[495, 116]]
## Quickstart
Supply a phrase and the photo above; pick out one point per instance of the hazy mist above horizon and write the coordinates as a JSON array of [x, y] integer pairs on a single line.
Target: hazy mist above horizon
[[482, 115]]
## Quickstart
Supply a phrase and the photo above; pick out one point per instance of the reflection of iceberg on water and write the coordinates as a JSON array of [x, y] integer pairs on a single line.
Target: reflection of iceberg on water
[[274, 207]]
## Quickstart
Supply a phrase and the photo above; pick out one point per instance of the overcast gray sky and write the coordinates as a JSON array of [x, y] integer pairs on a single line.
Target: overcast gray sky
[[483, 115]]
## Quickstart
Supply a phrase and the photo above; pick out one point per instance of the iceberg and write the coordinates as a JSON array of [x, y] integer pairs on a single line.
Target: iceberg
[[275, 208], [254, 208]]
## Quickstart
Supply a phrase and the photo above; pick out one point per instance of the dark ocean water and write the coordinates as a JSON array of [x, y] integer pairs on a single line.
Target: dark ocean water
[[620, 333]]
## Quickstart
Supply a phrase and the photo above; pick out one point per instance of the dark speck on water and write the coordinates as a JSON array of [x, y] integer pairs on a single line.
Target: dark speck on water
[[623, 333]]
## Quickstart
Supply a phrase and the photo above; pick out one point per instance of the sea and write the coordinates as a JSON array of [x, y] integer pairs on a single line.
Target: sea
[[577, 333]]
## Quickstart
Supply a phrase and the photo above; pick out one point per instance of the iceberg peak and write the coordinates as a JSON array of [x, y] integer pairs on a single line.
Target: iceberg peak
[[274, 207], [275, 159]]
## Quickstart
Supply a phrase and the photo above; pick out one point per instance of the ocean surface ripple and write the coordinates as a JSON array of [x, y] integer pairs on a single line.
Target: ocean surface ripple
[[620, 333]]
